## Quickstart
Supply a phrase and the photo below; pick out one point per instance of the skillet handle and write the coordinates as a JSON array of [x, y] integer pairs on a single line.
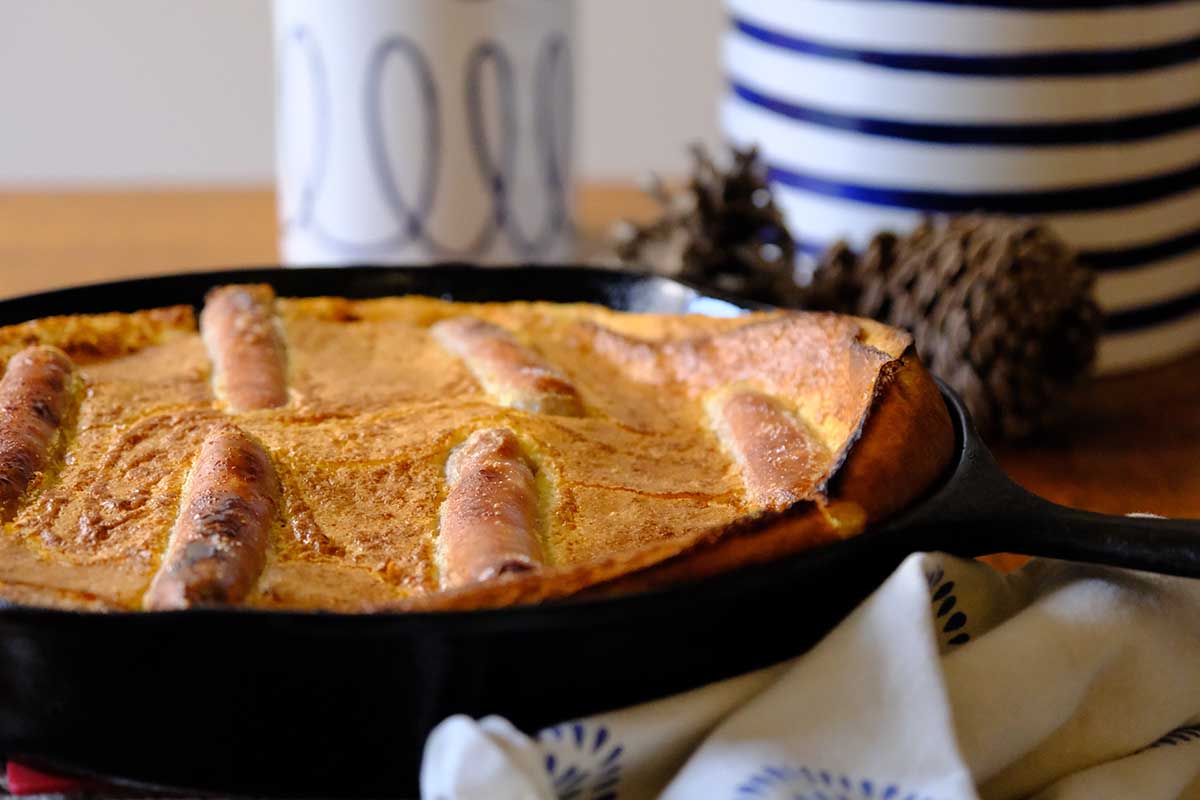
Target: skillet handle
[[979, 510], [1166, 546]]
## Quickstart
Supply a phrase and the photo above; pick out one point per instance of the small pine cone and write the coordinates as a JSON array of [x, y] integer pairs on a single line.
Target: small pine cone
[[999, 309], [722, 231]]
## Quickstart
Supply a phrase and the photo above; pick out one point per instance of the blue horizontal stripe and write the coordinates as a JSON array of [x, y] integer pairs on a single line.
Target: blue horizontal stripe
[[1053, 5], [1141, 255], [1075, 62], [1037, 134], [1149, 316], [1096, 197], [811, 248]]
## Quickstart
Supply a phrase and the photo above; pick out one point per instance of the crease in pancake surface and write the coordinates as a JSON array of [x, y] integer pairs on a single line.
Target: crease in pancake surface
[[628, 473]]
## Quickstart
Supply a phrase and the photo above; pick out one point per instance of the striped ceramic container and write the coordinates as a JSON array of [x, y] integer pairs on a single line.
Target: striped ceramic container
[[870, 113]]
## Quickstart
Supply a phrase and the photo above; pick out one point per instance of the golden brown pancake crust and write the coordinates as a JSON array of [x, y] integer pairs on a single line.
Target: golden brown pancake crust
[[663, 463]]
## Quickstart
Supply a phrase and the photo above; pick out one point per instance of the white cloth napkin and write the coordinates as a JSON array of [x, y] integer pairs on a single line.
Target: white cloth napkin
[[1060, 681]]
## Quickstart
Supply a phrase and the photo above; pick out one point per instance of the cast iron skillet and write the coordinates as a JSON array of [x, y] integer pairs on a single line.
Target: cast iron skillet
[[310, 704]]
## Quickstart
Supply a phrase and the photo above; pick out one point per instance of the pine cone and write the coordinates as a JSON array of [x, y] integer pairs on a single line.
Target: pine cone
[[999, 308], [723, 230]]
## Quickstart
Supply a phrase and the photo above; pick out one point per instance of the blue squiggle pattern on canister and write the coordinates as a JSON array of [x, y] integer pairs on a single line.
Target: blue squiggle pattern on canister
[[496, 160]]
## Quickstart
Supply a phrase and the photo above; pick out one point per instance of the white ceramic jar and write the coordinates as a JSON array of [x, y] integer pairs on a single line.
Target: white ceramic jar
[[871, 113], [424, 130]]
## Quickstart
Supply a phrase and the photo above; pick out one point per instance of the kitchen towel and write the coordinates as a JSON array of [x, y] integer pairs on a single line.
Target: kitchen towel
[[1059, 681]]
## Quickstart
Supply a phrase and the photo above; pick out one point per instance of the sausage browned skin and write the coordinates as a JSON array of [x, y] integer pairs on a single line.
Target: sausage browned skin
[[35, 394], [219, 542], [512, 373], [238, 326], [488, 519], [781, 460]]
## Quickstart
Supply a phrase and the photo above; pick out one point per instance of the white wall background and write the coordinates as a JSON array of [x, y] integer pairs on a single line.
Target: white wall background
[[167, 92]]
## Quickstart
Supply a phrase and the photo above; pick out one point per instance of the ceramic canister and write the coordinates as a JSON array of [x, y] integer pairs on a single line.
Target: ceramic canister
[[423, 130], [871, 113]]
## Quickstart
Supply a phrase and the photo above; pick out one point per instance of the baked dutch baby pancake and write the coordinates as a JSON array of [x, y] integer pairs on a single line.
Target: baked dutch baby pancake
[[413, 453]]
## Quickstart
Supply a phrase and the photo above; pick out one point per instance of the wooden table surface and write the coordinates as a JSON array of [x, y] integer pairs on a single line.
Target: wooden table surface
[[1132, 442]]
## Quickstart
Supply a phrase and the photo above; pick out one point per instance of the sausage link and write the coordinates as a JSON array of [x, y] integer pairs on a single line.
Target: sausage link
[[488, 519], [512, 373], [782, 461], [35, 394], [219, 542], [239, 330]]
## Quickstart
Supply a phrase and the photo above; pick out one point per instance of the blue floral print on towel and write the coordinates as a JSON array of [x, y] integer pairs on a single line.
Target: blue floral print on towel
[[777, 782], [583, 761]]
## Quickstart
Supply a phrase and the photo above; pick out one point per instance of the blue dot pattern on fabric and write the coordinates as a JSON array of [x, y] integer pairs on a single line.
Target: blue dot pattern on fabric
[[950, 619], [780, 782], [1185, 735], [583, 761]]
